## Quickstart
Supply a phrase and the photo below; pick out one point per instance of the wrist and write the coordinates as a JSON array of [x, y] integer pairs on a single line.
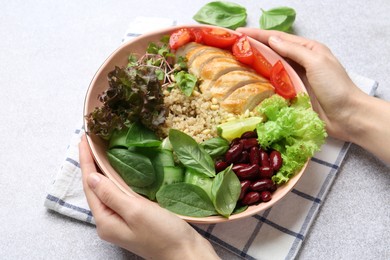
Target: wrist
[[368, 126], [196, 247]]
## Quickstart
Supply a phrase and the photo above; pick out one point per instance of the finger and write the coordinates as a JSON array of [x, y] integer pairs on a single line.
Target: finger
[[292, 50], [109, 194], [264, 35], [88, 167]]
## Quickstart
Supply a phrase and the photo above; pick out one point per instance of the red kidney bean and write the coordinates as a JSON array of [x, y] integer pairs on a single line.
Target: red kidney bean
[[234, 153], [251, 198], [235, 141], [262, 185], [254, 155], [250, 172], [276, 160], [249, 143], [244, 157], [265, 196], [264, 158], [249, 134], [220, 166], [273, 188], [238, 166], [266, 172], [244, 188]]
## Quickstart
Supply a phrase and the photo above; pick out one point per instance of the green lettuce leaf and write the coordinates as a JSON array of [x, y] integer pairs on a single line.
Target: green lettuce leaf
[[295, 130]]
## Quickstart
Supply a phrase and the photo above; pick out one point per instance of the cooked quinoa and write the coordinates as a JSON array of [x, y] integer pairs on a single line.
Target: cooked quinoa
[[197, 115]]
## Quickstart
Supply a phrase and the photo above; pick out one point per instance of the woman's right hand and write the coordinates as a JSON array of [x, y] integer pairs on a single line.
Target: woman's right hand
[[331, 90], [349, 113]]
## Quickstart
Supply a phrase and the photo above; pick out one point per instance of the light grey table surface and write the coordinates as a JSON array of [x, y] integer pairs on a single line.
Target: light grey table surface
[[50, 50]]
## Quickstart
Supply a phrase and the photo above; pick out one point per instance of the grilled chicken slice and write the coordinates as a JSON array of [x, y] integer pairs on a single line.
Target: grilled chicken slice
[[229, 82], [215, 68], [183, 50], [204, 57], [237, 87], [247, 97]]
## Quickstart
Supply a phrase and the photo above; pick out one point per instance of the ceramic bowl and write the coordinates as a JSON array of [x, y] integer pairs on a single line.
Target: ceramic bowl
[[119, 58]]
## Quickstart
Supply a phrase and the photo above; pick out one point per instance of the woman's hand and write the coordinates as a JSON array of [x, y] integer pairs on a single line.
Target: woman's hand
[[135, 223], [349, 113], [331, 90]]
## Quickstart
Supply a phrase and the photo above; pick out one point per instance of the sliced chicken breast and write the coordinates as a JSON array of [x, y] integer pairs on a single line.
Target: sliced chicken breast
[[247, 97], [229, 82], [215, 68], [204, 57]]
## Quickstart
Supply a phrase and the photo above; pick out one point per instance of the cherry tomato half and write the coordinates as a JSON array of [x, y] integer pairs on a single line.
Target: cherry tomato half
[[196, 35], [242, 50], [179, 38], [281, 81], [218, 37], [260, 64]]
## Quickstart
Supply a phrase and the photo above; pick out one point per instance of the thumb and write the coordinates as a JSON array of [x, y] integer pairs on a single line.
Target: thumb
[[108, 193], [292, 50]]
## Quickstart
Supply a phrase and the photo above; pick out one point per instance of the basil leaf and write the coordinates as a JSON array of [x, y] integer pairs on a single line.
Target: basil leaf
[[280, 18], [135, 169], [221, 13], [215, 147], [190, 153], [186, 82], [225, 192], [185, 199]]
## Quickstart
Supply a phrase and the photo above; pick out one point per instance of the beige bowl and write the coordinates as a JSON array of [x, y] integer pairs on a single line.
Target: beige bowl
[[119, 58]]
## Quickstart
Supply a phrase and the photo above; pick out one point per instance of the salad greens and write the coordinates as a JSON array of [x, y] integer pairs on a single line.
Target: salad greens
[[189, 186], [295, 130], [280, 18], [135, 92], [221, 13]]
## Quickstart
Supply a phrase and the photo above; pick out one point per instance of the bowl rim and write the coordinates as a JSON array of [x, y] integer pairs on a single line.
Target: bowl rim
[[251, 210]]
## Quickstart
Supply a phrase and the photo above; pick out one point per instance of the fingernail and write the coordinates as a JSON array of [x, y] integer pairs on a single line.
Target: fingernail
[[93, 180], [275, 39]]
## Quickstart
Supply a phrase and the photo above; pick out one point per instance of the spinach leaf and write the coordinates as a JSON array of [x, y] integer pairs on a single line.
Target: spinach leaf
[[135, 169], [186, 82], [160, 160], [216, 146], [134, 135], [118, 138], [190, 153], [225, 191], [221, 13], [280, 18], [138, 135], [185, 199]]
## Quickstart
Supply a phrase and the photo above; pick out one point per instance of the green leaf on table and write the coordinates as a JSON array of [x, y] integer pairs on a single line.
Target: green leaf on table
[[280, 19], [221, 13]]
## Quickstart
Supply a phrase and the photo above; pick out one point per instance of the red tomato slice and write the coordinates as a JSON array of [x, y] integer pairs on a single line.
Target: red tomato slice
[[179, 38], [218, 37], [281, 81], [260, 64], [196, 35], [242, 50]]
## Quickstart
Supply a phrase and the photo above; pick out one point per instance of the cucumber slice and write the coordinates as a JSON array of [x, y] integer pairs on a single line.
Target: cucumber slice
[[172, 174], [236, 128]]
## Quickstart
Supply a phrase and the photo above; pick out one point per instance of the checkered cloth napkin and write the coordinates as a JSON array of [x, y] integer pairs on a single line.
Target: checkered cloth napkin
[[276, 233]]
